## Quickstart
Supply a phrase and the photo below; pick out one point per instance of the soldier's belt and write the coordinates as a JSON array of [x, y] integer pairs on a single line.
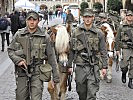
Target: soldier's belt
[[82, 64], [36, 62], [22, 73]]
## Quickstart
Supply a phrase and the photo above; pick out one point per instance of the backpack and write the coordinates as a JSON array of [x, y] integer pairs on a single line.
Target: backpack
[[3, 24]]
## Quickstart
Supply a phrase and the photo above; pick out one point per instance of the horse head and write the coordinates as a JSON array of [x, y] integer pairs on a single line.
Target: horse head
[[109, 38], [61, 39]]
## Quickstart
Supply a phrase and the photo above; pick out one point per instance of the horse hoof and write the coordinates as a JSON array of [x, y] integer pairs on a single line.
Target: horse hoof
[[109, 80]]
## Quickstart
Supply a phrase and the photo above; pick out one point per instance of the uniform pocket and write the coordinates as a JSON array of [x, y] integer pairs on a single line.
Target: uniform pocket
[[45, 72]]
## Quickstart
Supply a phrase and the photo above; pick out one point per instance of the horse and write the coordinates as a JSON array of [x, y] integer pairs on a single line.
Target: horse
[[110, 35], [60, 36]]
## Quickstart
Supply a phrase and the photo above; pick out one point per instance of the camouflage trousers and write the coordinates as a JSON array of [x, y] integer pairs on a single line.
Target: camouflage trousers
[[86, 85], [23, 92], [127, 62]]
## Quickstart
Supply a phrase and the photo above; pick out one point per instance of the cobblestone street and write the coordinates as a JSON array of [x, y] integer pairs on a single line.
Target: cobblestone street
[[113, 91]]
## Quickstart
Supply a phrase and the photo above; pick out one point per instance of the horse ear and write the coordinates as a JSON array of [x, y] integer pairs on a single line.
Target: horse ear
[[115, 33], [53, 29], [103, 30]]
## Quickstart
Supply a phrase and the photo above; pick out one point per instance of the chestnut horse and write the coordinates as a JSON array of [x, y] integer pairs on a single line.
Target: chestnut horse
[[60, 37], [110, 40]]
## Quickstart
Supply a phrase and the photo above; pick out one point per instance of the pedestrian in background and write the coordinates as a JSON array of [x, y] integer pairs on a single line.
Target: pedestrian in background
[[87, 46], [14, 22], [64, 17], [29, 50], [4, 31], [124, 46], [69, 19], [50, 14]]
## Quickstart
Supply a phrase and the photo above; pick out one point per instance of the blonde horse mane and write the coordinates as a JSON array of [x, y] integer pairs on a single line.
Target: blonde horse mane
[[62, 39]]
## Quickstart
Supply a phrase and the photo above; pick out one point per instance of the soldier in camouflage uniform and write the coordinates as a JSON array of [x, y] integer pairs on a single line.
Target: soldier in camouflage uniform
[[103, 18], [124, 42], [28, 50], [87, 39], [114, 18]]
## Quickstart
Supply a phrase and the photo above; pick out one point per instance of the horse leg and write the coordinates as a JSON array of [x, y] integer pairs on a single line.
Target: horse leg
[[109, 70], [63, 86], [52, 91]]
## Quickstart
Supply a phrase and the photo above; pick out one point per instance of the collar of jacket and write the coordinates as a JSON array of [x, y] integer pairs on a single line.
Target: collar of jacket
[[38, 32], [92, 29]]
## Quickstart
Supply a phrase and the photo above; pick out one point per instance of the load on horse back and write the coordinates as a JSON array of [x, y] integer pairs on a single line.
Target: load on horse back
[[110, 35], [60, 37]]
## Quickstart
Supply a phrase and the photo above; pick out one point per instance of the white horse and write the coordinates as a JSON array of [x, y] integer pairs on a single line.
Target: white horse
[[61, 38], [110, 40]]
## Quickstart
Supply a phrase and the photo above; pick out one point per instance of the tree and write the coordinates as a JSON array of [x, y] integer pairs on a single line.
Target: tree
[[83, 5], [114, 5], [98, 6]]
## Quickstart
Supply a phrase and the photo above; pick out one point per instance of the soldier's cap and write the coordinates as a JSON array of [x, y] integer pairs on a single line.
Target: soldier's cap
[[129, 13], [88, 12], [32, 14], [102, 15]]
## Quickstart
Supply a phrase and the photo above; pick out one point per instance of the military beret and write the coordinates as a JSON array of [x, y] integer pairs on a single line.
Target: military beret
[[32, 14], [102, 15], [129, 13], [88, 12]]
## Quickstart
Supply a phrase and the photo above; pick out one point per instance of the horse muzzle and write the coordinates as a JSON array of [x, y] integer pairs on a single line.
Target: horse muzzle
[[110, 54]]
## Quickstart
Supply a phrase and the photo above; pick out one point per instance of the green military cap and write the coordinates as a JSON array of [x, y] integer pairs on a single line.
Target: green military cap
[[129, 13], [88, 12], [32, 14], [102, 15]]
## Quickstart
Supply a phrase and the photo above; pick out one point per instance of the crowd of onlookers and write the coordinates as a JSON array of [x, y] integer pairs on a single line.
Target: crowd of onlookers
[[10, 23]]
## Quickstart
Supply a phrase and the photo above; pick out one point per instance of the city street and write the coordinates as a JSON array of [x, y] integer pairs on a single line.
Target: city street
[[108, 91]]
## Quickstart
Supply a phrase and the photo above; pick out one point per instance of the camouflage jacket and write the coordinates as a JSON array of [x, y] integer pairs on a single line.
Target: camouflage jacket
[[96, 42], [124, 35], [37, 44]]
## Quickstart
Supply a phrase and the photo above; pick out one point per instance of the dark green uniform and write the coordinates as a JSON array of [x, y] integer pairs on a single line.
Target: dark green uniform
[[114, 19], [125, 35], [87, 78], [104, 16], [39, 45]]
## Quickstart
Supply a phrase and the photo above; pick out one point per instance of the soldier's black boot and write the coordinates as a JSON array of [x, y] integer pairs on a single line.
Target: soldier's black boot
[[130, 84], [124, 71], [123, 79], [2, 48]]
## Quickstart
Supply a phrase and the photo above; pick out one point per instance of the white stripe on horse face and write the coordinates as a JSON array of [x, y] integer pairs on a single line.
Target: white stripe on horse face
[[110, 41], [110, 54]]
